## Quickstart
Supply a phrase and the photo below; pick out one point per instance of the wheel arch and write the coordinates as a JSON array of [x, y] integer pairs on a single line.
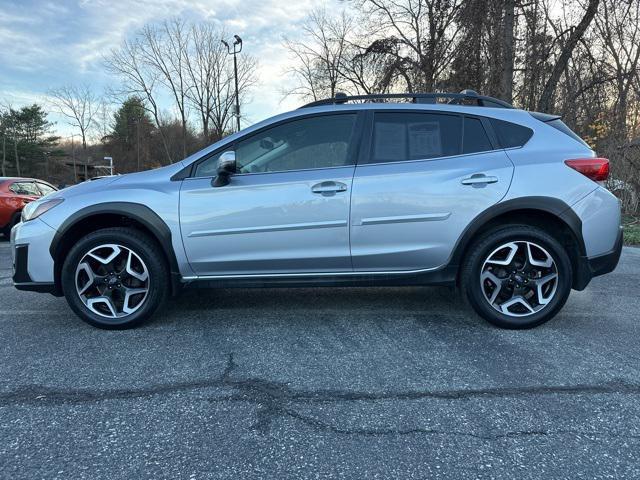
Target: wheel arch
[[549, 214], [113, 214]]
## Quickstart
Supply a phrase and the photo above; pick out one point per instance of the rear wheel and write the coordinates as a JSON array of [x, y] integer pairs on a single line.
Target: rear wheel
[[517, 277], [115, 278]]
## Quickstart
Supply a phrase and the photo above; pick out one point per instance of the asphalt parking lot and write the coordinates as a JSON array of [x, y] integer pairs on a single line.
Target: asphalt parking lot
[[322, 383]]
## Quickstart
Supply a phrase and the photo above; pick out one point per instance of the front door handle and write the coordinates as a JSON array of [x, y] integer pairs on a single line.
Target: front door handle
[[478, 179], [329, 188]]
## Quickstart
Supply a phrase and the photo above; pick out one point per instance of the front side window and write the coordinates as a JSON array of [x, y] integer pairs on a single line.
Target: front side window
[[399, 136], [314, 142], [209, 167]]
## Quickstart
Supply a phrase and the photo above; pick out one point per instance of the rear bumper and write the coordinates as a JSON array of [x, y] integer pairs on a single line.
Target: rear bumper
[[589, 267]]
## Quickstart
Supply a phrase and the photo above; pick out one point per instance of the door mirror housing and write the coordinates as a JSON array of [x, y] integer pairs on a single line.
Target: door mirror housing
[[226, 168]]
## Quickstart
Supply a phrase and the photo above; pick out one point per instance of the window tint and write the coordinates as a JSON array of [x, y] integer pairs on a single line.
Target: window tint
[[25, 188], [475, 139], [414, 136], [315, 142], [209, 167], [511, 135], [45, 189]]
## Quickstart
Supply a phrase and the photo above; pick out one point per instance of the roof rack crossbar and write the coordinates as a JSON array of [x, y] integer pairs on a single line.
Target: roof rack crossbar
[[454, 98]]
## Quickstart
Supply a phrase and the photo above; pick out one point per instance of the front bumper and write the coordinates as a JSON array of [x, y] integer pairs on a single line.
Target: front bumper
[[32, 262], [589, 267]]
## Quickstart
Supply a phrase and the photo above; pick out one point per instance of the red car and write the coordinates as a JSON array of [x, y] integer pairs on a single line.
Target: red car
[[15, 193]]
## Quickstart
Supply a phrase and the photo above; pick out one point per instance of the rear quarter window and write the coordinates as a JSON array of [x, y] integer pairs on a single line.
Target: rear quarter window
[[511, 135]]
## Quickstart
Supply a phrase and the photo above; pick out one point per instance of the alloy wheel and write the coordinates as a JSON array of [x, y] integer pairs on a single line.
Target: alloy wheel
[[112, 281], [519, 278]]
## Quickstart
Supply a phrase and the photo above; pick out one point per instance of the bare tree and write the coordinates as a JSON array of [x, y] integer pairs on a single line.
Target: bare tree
[[418, 38], [321, 55], [221, 115], [544, 104], [164, 50], [79, 105], [619, 29], [508, 50], [210, 78], [138, 80], [204, 61]]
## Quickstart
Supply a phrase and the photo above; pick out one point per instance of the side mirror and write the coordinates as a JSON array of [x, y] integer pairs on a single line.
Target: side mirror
[[226, 168]]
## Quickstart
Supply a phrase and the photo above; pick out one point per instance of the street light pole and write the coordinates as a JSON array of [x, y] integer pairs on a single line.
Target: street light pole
[[237, 48], [73, 156]]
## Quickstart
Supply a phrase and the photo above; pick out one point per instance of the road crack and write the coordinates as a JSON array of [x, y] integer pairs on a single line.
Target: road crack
[[277, 399]]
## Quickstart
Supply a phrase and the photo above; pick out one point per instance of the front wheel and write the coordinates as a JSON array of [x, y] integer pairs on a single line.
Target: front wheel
[[115, 278], [15, 219], [517, 277]]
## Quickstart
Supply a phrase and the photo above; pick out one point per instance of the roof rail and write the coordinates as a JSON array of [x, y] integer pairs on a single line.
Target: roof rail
[[454, 98]]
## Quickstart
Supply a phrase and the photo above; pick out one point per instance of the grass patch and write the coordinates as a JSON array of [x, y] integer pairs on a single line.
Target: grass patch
[[631, 230]]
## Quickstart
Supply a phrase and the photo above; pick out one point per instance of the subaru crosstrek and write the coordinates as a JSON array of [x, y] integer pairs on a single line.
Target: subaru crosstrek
[[504, 203]]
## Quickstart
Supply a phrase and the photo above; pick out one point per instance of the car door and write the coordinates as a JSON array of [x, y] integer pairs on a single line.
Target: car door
[[285, 211], [425, 176]]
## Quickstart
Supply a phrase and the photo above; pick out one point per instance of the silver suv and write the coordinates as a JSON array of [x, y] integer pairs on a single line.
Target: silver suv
[[471, 192]]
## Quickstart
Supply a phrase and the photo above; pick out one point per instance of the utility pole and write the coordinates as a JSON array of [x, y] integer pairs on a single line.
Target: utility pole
[[137, 144], [73, 156], [237, 48], [4, 154]]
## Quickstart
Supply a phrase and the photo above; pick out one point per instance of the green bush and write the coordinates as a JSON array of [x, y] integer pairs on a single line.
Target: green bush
[[631, 230]]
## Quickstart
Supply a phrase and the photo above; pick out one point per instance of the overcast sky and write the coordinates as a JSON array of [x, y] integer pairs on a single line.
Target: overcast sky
[[46, 44]]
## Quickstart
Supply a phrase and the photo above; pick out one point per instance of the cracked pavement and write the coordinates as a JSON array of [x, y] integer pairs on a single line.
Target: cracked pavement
[[322, 383]]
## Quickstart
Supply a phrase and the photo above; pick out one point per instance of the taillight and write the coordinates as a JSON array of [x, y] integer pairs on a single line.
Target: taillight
[[597, 169]]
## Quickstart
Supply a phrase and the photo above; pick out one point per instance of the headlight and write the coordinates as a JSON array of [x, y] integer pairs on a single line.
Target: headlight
[[37, 208]]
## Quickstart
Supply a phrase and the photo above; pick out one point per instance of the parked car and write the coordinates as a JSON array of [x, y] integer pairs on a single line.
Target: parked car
[[15, 193], [501, 202]]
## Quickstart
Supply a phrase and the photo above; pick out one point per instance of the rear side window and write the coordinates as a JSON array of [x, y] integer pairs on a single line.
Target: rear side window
[[474, 137], [399, 136], [511, 135], [25, 188]]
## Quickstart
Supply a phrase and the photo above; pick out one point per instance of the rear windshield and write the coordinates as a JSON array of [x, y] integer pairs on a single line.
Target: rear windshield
[[560, 125]]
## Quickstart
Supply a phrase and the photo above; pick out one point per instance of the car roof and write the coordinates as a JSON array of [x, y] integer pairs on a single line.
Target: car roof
[[18, 179], [23, 179]]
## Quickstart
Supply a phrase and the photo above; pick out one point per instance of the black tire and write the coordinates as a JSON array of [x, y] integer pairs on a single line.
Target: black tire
[[145, 248], [480, 250], [15, 219]]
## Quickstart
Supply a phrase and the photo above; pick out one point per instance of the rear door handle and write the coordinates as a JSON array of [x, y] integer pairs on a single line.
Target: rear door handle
[[329, 188], [478, 179]]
